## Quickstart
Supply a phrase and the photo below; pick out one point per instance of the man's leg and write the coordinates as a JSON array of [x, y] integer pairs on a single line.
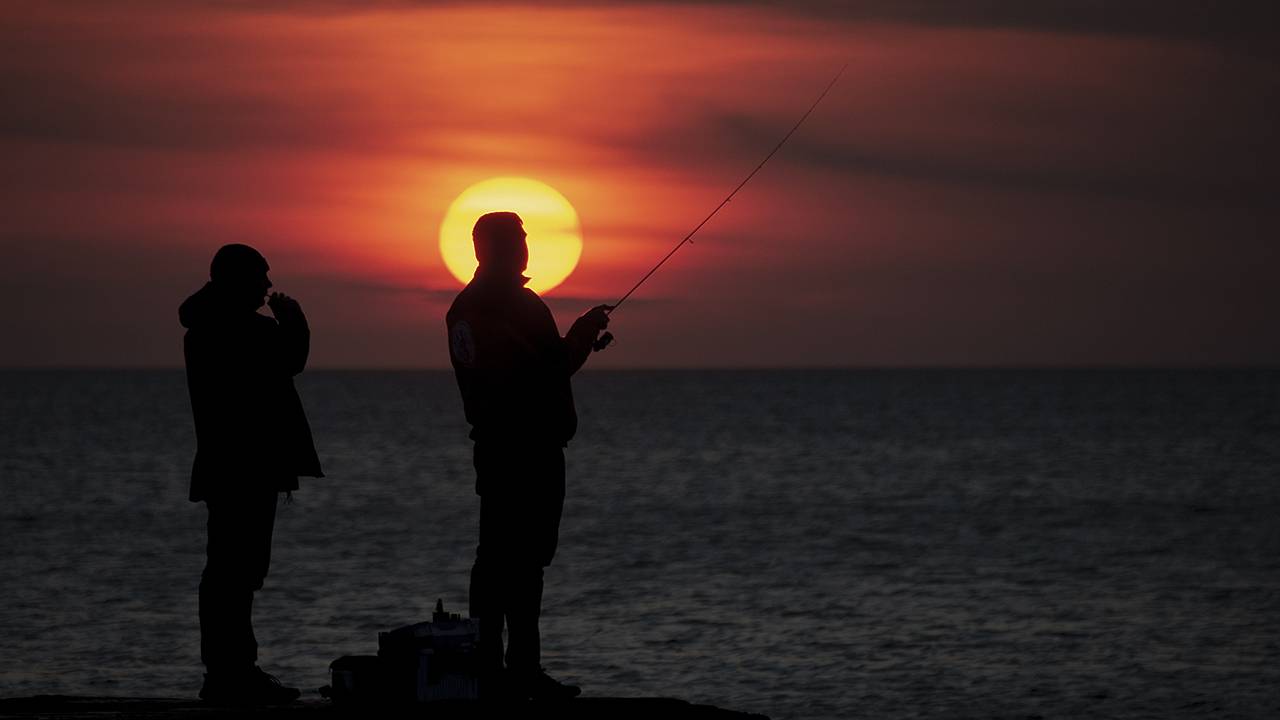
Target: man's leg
[[490, 593], [238, 557], [524, 645], [234, 569], [539, 530], [534, 536], [486, 592]]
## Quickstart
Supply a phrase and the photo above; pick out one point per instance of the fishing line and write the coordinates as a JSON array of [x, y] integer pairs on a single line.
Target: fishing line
[[607, 338], [776, 148]]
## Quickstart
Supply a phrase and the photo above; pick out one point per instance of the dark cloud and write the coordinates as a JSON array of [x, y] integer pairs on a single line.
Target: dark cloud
[[68, 105], [1237, 175], [180, 87], [1248, 25], [1164, 127], [346, 285], [1233, 21], [559, 302]]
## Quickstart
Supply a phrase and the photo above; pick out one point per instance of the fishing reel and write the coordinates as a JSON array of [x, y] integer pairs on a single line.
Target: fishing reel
[[602, 342]]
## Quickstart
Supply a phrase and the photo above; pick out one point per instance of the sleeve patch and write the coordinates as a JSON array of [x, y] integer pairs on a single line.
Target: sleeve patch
[[462, 344]]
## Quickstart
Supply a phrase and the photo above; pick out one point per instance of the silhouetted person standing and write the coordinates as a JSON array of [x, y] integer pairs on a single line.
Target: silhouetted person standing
[[252, 443], [513, 369]]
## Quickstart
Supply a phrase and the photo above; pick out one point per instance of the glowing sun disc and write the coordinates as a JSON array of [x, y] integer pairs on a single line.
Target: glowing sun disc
[[555, 241]]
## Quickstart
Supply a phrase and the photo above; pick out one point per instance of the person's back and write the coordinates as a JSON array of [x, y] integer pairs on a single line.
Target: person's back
[[511, 364]]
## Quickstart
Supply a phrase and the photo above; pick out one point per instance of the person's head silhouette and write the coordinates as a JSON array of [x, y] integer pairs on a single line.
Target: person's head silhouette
[[240, 274], [501, 249]]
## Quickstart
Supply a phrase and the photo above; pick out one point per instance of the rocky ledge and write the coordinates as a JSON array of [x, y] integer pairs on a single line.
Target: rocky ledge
[[64, 707]]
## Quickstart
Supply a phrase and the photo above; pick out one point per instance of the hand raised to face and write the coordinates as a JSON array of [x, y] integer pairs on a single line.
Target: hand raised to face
[[284, 307]]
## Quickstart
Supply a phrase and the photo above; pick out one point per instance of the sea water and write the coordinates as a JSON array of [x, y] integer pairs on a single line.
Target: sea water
[[803, 544]]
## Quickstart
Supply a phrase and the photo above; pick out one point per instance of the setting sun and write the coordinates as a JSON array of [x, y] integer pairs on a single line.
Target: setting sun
[[555, 241]]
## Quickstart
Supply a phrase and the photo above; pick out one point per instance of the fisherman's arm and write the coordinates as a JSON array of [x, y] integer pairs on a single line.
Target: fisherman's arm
[[295, 334]]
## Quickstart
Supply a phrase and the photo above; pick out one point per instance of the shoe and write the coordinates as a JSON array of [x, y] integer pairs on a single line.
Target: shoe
[[495, 686], [541, 686], [268, 690], [251, 687], [217, 689]]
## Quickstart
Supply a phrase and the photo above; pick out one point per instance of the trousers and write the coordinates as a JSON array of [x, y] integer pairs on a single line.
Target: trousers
[[238, 554], [521, 501]]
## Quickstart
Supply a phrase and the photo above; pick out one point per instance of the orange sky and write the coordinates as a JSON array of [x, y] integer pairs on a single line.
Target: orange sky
[[978, 189]]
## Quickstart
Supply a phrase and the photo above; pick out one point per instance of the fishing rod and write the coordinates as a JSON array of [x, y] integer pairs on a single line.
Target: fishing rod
[[607, 337]]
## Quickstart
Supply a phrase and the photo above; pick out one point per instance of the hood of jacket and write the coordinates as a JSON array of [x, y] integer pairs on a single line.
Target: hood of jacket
[[206, 306]]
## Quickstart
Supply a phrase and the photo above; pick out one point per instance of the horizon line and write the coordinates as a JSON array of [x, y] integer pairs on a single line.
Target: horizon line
[[1259, 366]]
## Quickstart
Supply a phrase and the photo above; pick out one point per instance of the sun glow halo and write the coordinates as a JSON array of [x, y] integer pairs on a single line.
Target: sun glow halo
[[555, 240]]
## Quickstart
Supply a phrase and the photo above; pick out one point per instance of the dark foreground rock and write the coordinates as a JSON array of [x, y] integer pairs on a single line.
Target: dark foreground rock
[[60, 707]]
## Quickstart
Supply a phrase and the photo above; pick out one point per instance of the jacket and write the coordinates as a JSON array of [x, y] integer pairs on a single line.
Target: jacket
[[511, 364], [251, 430]]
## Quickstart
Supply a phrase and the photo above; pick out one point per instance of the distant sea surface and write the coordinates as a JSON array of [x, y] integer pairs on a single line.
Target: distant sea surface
[[804, 544]]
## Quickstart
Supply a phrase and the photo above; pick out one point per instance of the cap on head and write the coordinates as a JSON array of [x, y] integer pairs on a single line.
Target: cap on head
[[236, 262], [499, 238]]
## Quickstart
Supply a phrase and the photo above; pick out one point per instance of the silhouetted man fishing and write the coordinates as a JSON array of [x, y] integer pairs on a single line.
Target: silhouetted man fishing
[[252, 443], [513, 369]]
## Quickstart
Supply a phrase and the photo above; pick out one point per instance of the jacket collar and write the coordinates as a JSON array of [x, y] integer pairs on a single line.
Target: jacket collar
[[499, 280]]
